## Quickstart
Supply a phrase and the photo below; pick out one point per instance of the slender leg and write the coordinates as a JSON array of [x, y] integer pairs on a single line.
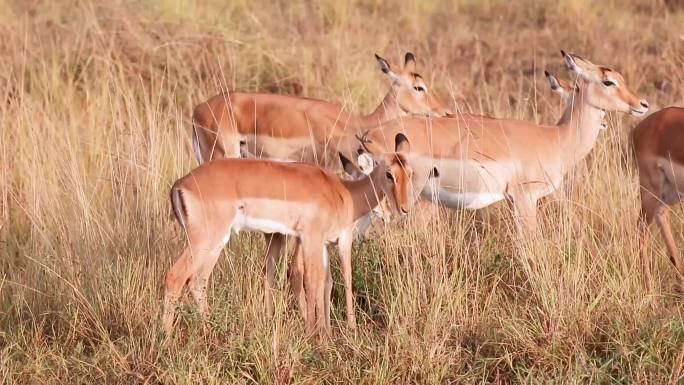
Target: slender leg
[[198, 281], [525, 211], [314, 282], [310, 283], [675, 257], [296, 277], [345, 247], [185, 269], [195, 264], [275, 244], [328, 287], [175, 281], [649, 206]]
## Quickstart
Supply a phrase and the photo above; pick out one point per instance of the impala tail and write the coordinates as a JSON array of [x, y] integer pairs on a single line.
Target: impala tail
[[178, 205]]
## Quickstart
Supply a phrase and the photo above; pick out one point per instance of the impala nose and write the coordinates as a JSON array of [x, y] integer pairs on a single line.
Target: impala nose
[[403, 211], [641, 110]]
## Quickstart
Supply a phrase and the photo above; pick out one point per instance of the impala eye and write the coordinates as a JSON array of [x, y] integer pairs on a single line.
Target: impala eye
[[419, 88], [389, 176], [608, 83]]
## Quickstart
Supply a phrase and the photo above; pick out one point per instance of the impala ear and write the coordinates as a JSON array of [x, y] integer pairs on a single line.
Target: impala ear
[[383, 64], [569, 61], [579, 66], [385, 67], [348, 166], [365, 163], [402, 144], [410, 62], [553, 82]]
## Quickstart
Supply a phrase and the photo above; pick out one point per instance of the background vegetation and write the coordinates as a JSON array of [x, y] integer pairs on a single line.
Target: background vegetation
[[95, 100]]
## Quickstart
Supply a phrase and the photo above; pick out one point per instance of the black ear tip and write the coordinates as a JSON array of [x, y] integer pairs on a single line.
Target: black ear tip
[[409, 57], [563, 53], [546, 73], [377, 57]]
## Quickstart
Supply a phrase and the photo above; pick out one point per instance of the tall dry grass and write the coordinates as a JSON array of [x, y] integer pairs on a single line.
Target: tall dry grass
[[94, 105]]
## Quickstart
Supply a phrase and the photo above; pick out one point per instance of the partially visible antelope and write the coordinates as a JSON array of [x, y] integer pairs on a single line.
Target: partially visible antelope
[[658, 143], [283, 127], [300, 200], [566, 91], [471, 162]]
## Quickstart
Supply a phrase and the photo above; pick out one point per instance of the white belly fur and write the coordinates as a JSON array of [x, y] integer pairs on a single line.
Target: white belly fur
[[460, 200], [244, 222]]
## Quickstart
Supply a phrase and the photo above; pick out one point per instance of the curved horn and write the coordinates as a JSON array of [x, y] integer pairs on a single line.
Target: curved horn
[[363, 138]]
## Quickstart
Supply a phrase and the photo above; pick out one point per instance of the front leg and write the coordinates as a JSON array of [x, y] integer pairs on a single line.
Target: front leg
[[345, 247], [524, 212]]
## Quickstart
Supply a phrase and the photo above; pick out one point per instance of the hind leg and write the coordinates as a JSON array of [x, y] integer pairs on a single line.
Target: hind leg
[[673, 252], [328, 287], [314, 282], [198, 281], [275, 243], [295, 272], [195, 264], [184, 270], [650, 205]]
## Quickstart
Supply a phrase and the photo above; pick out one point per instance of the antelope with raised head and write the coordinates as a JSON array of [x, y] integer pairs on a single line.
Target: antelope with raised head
[[566, 91], [283, 127], [295, 199], [658, 143], [472, 162]]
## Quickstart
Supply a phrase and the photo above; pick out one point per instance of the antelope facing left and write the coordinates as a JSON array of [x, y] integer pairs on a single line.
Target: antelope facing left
[[300, 200], [284, 127]]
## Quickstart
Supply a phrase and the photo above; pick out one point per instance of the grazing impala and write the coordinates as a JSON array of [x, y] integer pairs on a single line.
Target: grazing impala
[[283, 127], [300, 200], [659, 150], [471, 162]]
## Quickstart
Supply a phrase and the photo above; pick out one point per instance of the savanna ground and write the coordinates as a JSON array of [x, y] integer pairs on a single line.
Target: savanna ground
[[95, 99]]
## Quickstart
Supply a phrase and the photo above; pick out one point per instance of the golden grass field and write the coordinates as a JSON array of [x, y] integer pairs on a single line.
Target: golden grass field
[[95, 105]]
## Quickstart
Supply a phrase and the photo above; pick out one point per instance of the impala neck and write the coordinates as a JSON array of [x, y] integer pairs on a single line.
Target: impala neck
[[388, 109], [580, 126], [366, 193]]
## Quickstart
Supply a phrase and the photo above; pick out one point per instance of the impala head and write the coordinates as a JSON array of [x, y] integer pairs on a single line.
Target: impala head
[[391, 173], [605, 88], [567, 91], [410, 90]]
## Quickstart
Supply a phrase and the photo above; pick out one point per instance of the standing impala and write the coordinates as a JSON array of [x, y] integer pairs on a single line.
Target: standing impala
[[283, 127], [471, 162], [659, 150], [300, 200]]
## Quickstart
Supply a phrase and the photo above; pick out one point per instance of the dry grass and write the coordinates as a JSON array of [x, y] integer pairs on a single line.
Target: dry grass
[[94, 106]]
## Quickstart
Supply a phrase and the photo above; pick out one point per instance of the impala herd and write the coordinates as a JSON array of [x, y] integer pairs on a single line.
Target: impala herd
[[410, 147]]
